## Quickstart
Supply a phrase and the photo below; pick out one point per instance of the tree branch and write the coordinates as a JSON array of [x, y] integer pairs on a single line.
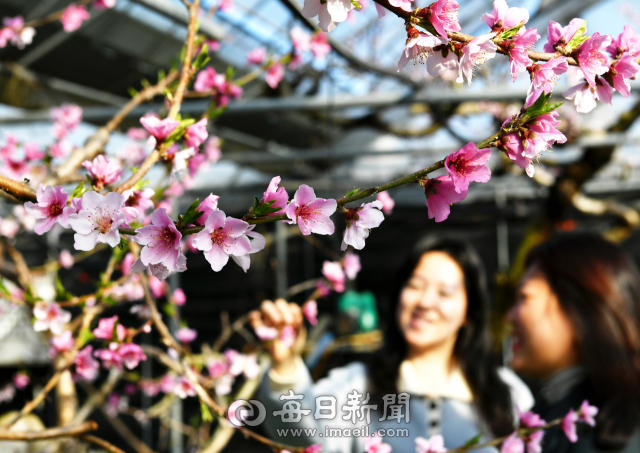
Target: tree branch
[[50, 433]]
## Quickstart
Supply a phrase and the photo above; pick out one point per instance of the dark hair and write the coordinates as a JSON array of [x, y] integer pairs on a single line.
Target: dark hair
[[598, 287], [473, 347]]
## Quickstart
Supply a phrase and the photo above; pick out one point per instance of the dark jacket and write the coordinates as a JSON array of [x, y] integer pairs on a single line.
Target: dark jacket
[[560, 393]]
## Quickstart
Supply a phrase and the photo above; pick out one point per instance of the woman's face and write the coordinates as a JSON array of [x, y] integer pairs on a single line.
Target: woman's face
[[544, 341], [433, 302]]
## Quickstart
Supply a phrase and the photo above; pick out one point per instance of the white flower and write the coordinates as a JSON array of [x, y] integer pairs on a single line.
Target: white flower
[[98, 220]]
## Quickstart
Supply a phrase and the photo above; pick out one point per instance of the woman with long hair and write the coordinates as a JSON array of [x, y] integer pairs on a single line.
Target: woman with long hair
[[576, 327], [437, 374]]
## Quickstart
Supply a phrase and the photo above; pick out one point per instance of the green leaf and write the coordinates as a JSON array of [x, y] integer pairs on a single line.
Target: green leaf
[[474, 440], [3, 288], [123, 243], [353, 192], [256, 203], [356, 4], [140, 184], [179, 131], [79, 190], [191, 215], [265, 208], [206, 413], [168, 94], [161, 75], [61, 292], [510, 33], [85, 336], [145, 83], [578, 38], [169, 309], [132, 92], [230, 72]]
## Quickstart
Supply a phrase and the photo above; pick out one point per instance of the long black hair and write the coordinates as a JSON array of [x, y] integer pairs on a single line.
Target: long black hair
[[598, 287], [473, 348]]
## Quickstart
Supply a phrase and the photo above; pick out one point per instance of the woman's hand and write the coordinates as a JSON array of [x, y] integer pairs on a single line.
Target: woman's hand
[[279, 314]]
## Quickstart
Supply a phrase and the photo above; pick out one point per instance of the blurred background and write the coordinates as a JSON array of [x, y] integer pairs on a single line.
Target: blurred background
[[346, 121]]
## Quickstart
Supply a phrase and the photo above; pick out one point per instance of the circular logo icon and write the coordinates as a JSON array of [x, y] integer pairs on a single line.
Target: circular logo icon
[[246, 413]]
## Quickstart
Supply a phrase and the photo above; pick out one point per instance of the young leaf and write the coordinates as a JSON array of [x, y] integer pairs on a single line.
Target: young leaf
[[85, 337], [353, 192], [206, 413], [79, 190], [357, 5], [510, 33], [578, 38], [474, 440]]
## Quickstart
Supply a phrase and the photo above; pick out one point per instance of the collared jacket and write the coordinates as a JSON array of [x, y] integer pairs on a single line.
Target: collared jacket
[[452, 415]]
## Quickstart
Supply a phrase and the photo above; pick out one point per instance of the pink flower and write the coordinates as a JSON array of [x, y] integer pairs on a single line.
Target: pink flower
[[32, 151], [222, 237], [387, 202], [127, 262], [584, 96], [374, 445], [226, 5], [351, 264], [502, 17], [266, 333], [546, 75], [274, 75], [513, 148], [560, 36], [50, 208], [137, 133], [333, 272], [322, 288], [474, 53], [533, 440], [441, 193], [359, 223], [621, 71], [212, 149], [320, 45], [196, 134], [98, 220], [184, 388], [104, 4], [512, 444], [49, 316], [257, 55], [106, 326], [627, 41], [518, 51], [6, 35], [16, 32], [313, 448], [136, 203], [66, 117], [402, 4], [131, 355], [73, 16], [157, 287], [62, 342], [206, 80], [310, 311], [468, 164], [278, 195], [444, 16], [102, 171], [179, 159], [419, 47], [217, 368], [160, 129], [435, 444], [224, 384], [207, 206], [329, 12], [151, 388], [569, 425], [60, 149], [587, 413], [246, 364], [288, 336], [21, 380], [86, 366], [110, 357], [300, 39], [186, 335], [161, 241], [179, 297], [311, 213], [592, 59], [168, 383]]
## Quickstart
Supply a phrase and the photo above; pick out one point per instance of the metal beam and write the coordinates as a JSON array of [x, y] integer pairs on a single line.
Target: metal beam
[[178, 12], [344, 51]]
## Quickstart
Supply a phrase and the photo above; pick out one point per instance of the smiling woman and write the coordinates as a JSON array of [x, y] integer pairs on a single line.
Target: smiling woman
[[437, 362]]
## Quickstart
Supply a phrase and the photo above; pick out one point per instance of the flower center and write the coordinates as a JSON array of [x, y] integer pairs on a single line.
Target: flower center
[[54, 210], [219, 237], [461, 166], [449, 14], [479, 57]]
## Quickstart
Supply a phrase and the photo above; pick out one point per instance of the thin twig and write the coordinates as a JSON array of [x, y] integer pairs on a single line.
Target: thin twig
[[51, 433], [101, 442]]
